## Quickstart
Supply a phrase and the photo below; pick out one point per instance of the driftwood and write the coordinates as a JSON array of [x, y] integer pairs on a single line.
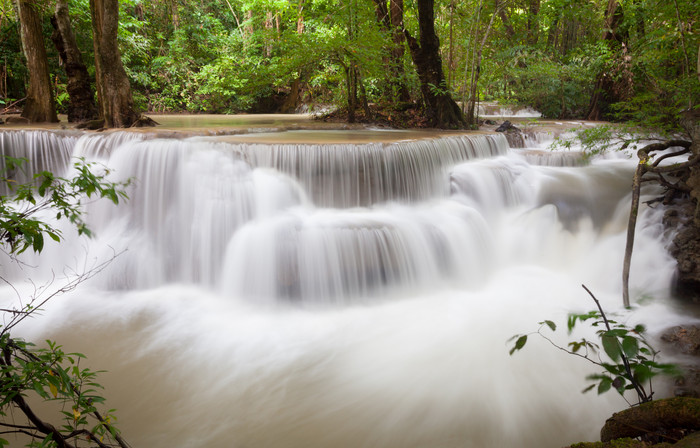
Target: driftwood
[[653, 418]]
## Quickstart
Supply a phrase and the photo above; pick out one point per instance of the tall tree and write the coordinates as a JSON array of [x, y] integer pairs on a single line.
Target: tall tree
[[476, 69], [39, 105], [441, 110], [390, 18], [533, 21], [503, 14], [81, 106], [607, 89], [113, 88]]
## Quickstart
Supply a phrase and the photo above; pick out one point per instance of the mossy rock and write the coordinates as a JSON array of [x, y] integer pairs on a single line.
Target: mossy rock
[[619, 443], [654, 418], [690, 441]]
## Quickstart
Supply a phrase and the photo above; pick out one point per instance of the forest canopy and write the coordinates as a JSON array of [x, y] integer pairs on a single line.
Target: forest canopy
[[598, 59]]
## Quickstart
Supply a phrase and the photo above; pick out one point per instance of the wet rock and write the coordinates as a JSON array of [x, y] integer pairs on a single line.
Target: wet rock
[[144, 122], [685, 248], [91, 125], [507, 126], [513, 134], [16, 120], [684, 339]]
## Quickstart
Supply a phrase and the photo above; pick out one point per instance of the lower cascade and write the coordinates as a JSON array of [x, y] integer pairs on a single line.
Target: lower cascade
[[341, 295]]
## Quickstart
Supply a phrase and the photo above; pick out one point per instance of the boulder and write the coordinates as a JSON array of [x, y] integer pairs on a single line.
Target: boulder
[[670, 417], [507, 126]]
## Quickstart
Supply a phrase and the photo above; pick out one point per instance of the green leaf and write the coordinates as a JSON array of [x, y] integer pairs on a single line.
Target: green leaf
[[519, 344], [38, 242], [630, 346], [639, 329], [604, 385], [551, 325], [611, 345], [642, 372]]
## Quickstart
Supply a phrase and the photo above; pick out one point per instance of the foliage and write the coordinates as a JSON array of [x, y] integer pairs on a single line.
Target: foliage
[[56, 377], [627, 359], [556, 88], [49, 373], [20, 224], [221, 56]]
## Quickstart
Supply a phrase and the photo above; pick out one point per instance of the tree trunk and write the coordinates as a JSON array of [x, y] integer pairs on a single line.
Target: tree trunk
[[533, 22], [300, 18], [396, 13], [604, 93], [503, 14], [476, 72], [39, 106], [391, 20], [81, 106], [351, 83], [113, 89], [440, 109]]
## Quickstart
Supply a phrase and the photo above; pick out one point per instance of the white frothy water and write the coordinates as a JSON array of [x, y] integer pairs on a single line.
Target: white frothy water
[[347, 296]]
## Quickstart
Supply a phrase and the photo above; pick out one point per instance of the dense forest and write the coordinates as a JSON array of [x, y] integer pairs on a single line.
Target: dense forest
[[598, 59]]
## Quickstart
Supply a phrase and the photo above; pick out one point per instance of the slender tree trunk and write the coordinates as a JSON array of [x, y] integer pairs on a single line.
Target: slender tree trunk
[[300, 18], [175, 15], [441, 110], [81, 106], [604, 92], [533, 22], [503, 14], [471, 112], [396, 14], [269, 23], [113, 89], [351, 81], [39, 105], [450, 54], [391, 20]]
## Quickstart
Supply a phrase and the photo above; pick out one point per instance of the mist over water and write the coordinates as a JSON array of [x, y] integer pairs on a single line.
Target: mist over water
[[344, 295]]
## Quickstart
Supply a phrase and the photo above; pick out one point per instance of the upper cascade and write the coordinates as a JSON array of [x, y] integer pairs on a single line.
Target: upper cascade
[[339, 175], [351, 175]]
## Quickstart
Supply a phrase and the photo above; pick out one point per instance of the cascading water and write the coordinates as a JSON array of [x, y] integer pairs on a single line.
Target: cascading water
[[318, 295]]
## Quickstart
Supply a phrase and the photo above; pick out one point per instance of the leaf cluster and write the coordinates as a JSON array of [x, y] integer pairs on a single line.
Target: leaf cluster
[[54, 376], [49, 373], [627, 359], [22, 228]]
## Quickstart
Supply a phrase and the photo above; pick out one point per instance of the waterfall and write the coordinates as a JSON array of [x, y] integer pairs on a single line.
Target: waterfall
[[341, 294]]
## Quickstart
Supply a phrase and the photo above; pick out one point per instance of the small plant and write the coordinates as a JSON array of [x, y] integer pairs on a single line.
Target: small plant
[[627, 359], [55, 376], [52, 375], [20, 228]]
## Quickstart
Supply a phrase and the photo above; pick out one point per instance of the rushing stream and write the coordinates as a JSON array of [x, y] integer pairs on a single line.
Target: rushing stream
[[300, 290]]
